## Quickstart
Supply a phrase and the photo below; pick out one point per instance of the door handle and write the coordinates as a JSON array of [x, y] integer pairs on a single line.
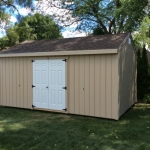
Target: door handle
[[47, 87]]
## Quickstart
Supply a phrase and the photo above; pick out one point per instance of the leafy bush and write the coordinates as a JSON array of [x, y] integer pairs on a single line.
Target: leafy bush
[[146, 98]]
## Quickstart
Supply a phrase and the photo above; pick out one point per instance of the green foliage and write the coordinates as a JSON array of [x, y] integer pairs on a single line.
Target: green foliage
[[144, 62], [98, 31], [143, 76], [113, 16], [8, 7], [142, 36], [4, 17], [147, 98], [4, 42], [36, 27], [130, 14], [138, 57], [13, 36]]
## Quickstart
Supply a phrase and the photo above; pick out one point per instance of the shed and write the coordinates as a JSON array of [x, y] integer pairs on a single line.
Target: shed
[[91, 76]]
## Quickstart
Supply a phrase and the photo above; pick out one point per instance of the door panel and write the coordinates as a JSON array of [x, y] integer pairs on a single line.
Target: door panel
[[49, 80], [56, 84], [40, 81]]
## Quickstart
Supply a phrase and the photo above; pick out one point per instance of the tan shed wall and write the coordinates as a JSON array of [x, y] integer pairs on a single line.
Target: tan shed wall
[[92, 84], [127, 77], [16, 81]]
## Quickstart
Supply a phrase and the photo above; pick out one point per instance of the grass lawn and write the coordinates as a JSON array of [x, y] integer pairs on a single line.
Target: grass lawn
[[26, 129]]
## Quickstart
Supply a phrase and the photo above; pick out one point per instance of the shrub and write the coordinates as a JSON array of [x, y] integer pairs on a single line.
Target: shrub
[[146, 98]]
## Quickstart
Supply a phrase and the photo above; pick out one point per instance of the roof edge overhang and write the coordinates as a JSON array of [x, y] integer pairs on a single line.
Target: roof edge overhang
[[62, 53]]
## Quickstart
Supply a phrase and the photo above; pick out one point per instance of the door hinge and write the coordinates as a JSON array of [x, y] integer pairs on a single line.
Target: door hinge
[[33, 86], [64, 88], [64, 60], [33, 106], [32, 61], [65, 109]]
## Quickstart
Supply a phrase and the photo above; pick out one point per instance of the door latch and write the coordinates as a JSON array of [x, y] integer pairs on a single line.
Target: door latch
[[33, 86], [65, 109]]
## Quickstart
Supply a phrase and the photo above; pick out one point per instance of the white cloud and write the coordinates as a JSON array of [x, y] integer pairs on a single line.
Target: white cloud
[[70, 34], [13, 19], [24, 11], [2, 31]]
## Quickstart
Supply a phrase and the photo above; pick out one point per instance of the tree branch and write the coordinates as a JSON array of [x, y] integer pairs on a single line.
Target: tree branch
[[9, 4], [121, 25], [111, 24]]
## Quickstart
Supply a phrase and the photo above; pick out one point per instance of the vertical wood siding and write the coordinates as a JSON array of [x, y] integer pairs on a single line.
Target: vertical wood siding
[[15, 74], [87, 87], [92, 83], [71, 85], [127, 77]]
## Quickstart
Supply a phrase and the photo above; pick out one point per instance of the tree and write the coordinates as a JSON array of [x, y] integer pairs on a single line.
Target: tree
[[8, 7], [113, 16], [143, 82], [36, 27], [142, 36], [98, 31], [13, 37], [4, 42]]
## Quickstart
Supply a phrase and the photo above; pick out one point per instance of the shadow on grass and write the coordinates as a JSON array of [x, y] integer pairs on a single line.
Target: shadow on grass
[[26, 129]]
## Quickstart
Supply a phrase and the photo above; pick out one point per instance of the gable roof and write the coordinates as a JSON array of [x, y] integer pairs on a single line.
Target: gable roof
[[100, 42]]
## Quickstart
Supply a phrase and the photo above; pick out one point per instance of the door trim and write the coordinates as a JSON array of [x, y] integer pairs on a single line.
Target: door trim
[[66, 82]]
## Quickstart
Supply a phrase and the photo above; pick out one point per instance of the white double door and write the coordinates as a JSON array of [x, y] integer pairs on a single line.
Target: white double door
[[49, 84]]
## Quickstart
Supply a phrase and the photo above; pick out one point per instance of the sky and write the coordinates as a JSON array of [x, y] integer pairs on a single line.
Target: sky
[[67, 32], [13, 19], [46, 7]]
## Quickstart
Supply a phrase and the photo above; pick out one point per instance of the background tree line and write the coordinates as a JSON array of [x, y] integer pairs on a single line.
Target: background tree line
[[93, 16], [36, 27], [143, 75]]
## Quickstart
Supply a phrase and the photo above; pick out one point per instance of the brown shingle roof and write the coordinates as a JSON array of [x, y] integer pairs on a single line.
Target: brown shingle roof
[[108, 41]]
